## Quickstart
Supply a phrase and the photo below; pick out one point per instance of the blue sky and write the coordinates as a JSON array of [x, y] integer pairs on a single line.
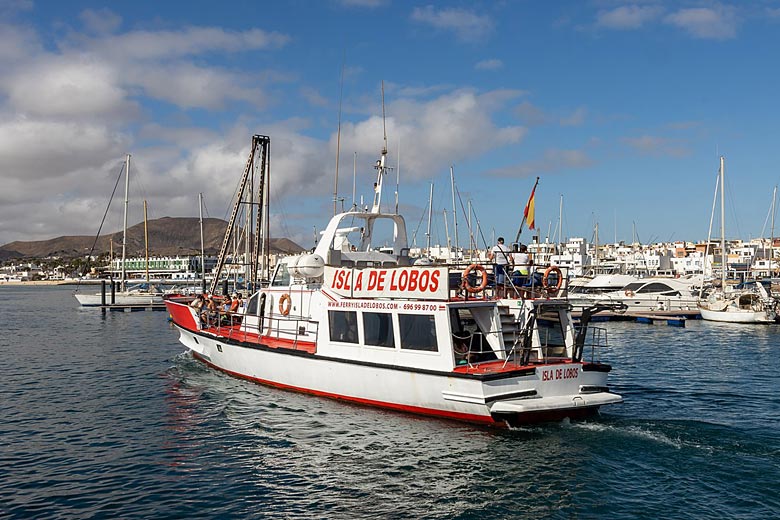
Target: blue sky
[[622, 108]]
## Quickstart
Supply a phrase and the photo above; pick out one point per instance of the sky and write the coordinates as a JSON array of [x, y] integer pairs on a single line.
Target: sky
[[620, 108]]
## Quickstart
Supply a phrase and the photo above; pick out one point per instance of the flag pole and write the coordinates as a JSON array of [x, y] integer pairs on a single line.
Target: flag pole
[[525, 213]]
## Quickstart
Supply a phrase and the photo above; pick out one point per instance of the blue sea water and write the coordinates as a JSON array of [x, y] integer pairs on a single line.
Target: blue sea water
[[105, 416]]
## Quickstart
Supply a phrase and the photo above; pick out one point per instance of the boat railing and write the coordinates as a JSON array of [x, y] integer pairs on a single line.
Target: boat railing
[[293, 328], [472, 348], [529, 286], [594, 342], [289, 328]]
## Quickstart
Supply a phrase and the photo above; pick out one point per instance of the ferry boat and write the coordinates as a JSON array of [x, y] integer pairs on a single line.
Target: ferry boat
[[351, 322]]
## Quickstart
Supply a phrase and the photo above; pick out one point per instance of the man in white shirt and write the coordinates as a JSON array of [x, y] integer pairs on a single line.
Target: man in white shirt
[[499, 255]]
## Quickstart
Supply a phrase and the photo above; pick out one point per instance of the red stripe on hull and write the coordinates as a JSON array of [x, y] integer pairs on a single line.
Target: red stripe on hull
[[480, 419], [502, 421]]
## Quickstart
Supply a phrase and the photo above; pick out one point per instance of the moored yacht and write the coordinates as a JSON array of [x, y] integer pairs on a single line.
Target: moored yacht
[[653, 294]]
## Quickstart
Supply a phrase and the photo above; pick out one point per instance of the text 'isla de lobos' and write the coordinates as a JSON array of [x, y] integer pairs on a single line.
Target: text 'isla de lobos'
[[401, 282]]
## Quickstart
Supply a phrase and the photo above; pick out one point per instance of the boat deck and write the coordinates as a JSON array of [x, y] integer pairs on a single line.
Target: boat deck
[[234, 333]]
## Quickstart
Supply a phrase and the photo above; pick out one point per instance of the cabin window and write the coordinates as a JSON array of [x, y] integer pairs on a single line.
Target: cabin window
[[378, 329], [655, 288], [418, 332], [552, 334], [343, 326], [281, 276], [251, 306]]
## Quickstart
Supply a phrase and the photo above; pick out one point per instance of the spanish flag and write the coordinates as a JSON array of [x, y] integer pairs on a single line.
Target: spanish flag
[[528, 213]]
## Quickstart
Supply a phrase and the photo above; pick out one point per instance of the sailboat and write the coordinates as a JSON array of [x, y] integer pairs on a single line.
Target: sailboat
[[752, 304], [140, 294]]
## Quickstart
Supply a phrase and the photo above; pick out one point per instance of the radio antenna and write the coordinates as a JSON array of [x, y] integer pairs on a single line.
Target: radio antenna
[[338, 141]]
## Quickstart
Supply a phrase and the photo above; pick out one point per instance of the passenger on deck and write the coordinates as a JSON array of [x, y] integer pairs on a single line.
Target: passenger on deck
[[233, 304], [461, 343], [522, 262], [499, 255], [197, 303], [209, 312]]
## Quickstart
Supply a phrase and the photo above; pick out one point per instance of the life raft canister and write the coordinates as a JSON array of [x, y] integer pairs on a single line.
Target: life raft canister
[[467, 272]]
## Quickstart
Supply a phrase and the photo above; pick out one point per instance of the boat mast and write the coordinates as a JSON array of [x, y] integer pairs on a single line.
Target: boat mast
[[257, 141], [380, 165], [560, 225], [202, 250], [397, 176], [722, 223], [428, 231], [146, 243], [338, 143], [124, 226], [772, 232], [449, 242], [354, 177], [454, 211]]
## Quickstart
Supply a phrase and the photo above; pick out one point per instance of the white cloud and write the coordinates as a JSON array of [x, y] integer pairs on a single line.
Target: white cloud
[[531, 114], [191, 41], [72, 86], [719, 23], [100, 21], [576, 118], [654, 145], [467, 25], [41, 149], [491, 64], [189, 86], [313, 97], [553, 160], [434, 133], [628, 16], [18, 44]]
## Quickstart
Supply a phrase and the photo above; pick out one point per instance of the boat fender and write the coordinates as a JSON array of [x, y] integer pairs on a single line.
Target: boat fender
[[552, 289], [629, 293], [284, 304], [467, 272]]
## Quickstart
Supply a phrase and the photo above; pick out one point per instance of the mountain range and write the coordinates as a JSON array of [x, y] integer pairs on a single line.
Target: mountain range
[[168, 236]]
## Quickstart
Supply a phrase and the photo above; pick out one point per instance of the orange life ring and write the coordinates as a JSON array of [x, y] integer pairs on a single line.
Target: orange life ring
[[285, 309], [545, 279], [629, 293], [467, 272]]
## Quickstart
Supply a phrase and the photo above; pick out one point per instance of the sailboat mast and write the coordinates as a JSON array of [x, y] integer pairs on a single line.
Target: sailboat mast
[[202, 250], [722, 223], [454, 210], [354, 177], [428, 231], [449, 242], [146, 244], [560, 225], [772, 232], [124, 225]]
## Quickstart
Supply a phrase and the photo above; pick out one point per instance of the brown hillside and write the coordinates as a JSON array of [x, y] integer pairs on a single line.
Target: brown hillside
[[168, 236]]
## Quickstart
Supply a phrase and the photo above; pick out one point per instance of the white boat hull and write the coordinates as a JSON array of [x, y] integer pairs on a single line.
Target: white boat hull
[[96, 300], [736, 316], [547, 392]]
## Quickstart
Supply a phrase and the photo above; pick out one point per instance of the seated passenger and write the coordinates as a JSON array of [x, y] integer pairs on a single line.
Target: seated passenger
[[461, 344], [197, 303]]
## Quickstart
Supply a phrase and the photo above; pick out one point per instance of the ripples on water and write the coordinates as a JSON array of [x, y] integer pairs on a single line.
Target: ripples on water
[[105, 417]]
